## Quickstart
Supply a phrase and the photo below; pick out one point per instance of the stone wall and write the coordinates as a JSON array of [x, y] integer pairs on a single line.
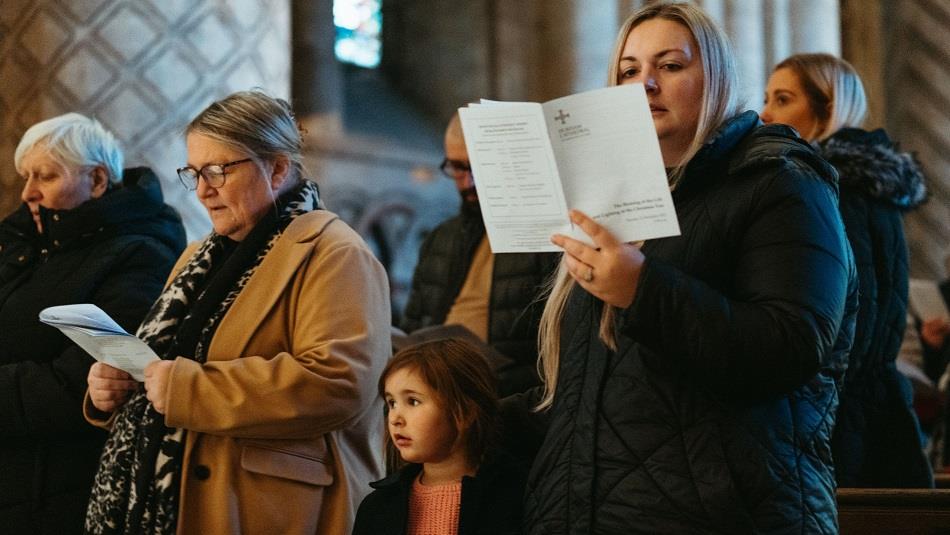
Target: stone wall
[[144, 68], [917, 106]]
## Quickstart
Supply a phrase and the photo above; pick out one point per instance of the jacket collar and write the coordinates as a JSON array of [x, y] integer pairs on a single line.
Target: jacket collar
[[276, 271], [870, 164], [134, 206]]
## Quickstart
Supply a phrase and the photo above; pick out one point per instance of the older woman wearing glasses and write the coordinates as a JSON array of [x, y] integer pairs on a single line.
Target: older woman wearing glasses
[[272, 331], [88, 231]]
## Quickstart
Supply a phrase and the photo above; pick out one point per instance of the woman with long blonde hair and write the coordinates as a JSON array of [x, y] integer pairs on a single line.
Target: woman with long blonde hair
[[690, 382]]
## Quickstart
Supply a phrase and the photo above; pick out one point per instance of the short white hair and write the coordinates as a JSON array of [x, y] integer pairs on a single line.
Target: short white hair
[[74, 141]]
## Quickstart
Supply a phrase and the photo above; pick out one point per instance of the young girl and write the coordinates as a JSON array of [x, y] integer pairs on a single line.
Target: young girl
[[444, 420]]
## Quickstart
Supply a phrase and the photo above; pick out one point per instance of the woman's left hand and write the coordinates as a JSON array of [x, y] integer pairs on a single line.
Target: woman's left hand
[[156, 383], [610, 270]]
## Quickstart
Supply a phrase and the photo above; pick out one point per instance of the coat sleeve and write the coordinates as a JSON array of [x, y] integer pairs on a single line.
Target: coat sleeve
[[776, 319], [338, 318], [45, 398]]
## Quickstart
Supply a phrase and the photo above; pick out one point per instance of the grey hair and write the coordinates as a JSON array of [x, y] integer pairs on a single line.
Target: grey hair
[[256, 124], [720, 102], [74, 140], [833, 88]]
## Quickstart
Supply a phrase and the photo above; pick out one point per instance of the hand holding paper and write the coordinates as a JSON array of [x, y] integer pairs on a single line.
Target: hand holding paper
[[609, 270], [109, 388], [94, 331], [596, 151]]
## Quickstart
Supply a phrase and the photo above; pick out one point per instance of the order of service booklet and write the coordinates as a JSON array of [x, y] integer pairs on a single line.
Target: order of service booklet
[[93, 330], [595, 151]]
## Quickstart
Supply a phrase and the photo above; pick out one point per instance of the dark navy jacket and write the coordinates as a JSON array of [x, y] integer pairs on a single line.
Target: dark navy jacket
[[877, 437], [715, 413]]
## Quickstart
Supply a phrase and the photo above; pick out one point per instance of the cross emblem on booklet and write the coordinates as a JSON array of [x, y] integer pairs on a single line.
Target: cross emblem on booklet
[[531, 166]]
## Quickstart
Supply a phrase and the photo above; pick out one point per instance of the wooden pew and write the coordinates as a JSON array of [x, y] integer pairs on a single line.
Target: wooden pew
[[942, 480], [894, 511]]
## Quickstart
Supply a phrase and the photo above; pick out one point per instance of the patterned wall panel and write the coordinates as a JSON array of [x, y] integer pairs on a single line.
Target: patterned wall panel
[[142, 67], [918, 109]]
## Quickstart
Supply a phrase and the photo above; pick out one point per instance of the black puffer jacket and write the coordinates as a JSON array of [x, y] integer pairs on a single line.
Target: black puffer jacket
[[715, 413], [514, 307], [877, 437], [115, 252]]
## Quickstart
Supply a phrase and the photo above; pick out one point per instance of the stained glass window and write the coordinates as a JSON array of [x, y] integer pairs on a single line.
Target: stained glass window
[[358, 26]]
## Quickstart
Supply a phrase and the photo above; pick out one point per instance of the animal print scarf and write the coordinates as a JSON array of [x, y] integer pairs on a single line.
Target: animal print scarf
[[137, 486]]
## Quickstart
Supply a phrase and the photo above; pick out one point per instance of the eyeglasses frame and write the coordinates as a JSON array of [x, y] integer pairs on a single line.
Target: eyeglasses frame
[[461, 168], [200, 173]]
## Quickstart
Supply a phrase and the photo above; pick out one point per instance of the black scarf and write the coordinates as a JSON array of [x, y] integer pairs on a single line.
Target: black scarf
[[137, 486]]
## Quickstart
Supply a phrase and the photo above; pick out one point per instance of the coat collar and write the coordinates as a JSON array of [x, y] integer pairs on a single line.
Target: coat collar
[[869, 163], [276, 271]]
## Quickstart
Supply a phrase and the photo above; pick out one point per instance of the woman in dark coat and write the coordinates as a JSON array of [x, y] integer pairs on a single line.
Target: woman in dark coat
[[691, 381], [86, 233], [877, 437]]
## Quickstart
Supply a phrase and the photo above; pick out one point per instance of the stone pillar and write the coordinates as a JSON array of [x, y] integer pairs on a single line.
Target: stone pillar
[[765, 32], [746, 25], [864, 46], [815, 26], [593, 33], [144, 68], [918, 75], [318, 85]]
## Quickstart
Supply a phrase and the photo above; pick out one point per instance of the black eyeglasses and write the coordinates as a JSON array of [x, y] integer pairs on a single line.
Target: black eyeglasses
[[213, 173], [454, 168]]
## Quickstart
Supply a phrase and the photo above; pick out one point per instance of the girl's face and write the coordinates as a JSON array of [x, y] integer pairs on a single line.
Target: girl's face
[[786, 103], [664, 57], [420, 426]]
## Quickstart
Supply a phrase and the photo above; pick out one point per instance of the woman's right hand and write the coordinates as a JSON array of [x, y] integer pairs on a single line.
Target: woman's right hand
[[109, 388]]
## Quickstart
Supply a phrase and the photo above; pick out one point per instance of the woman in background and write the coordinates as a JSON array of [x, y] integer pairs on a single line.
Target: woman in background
[[87, 232], [261, 416], [877, 437]]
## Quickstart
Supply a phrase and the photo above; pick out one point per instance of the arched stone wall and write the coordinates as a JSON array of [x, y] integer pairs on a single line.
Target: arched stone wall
[[144, 68]]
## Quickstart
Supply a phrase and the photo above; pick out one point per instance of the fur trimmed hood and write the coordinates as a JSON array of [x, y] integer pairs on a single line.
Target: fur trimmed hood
[[871, 164]]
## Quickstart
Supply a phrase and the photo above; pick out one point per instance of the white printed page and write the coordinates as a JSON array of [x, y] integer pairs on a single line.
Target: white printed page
[[99, 335], [516, 176], [122, 351], [610, 163]]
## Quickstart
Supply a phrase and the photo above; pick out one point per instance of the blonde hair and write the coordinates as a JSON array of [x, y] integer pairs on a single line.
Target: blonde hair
[[720, 102], [833, 88]]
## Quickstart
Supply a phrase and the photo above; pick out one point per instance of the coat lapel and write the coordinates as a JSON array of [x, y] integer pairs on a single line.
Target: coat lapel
[[267, 285]]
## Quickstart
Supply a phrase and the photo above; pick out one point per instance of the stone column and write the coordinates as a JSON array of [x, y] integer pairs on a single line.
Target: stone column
[[815, 26], [918, 75], [144, 68], [765, 32], [593, 34]]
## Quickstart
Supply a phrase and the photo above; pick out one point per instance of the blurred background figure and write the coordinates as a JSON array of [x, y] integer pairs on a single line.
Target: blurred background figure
[[877, 435], [87, 231]]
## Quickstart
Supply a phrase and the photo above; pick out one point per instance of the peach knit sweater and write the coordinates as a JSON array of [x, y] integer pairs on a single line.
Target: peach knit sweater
[[434, 510]]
